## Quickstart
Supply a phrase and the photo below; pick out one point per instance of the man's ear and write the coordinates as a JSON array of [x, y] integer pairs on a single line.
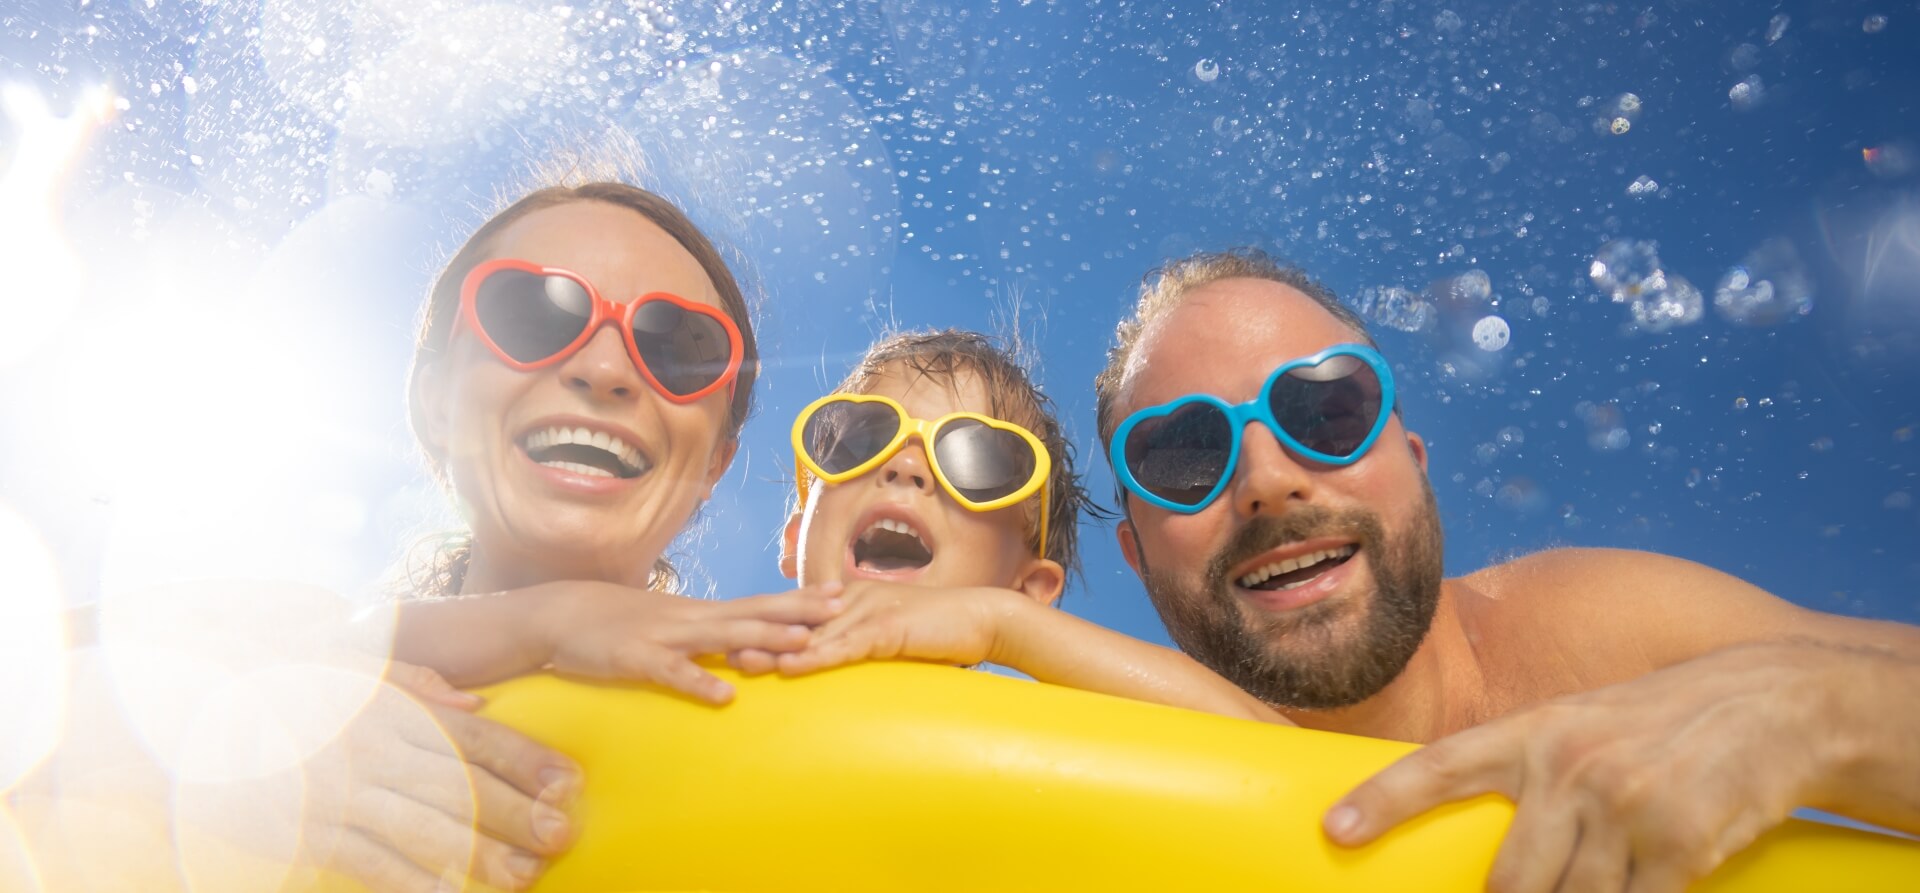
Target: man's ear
[[1042, 580], [720, 461], [427, 405], [1129, 544], [790, 547], [1419, 448]]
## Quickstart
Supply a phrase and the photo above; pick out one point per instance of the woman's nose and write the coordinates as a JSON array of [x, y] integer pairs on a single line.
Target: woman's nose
[[602, 368]]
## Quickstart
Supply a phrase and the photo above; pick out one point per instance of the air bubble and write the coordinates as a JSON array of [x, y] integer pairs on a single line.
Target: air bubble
[[1747, 94], [1206, 70], [1643, 186], [1874, 24]]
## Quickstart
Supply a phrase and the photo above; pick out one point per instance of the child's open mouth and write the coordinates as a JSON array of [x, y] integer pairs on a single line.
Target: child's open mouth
[[889, 546]]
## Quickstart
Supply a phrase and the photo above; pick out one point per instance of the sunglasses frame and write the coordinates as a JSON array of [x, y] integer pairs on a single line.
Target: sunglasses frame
[[605, 312], [1259, 409], [911, 427]]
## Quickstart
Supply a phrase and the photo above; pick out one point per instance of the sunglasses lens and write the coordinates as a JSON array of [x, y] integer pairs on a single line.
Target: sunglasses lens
[[1329, 408], [686, 351], [842, 434], [531, 317], [982, 462], [1182, 455]]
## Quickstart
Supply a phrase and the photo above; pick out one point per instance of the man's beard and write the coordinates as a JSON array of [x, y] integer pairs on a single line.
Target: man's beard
[[1300, 659]]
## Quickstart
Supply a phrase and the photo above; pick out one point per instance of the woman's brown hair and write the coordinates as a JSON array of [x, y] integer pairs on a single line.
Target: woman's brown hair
[[443, 569]]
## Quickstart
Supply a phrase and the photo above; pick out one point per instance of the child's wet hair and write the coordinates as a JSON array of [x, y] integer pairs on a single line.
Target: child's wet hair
[[1011, 395]]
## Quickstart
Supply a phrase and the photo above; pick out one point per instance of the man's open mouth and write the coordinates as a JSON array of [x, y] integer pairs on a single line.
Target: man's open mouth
[[890, 545], [1292, 573], [583, 452]]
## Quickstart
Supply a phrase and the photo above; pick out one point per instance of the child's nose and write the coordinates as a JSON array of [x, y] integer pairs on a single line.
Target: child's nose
[[907, 468]]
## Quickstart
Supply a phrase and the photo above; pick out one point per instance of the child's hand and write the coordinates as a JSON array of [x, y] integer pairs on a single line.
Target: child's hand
[[616, 632], [889, 621]]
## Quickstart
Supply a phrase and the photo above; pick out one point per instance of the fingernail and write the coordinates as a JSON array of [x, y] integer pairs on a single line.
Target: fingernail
[[835, 604], [799, 629], [559, 786], [832, 586], [1343, 821], [469, 698], [524, 866], [550, 825]]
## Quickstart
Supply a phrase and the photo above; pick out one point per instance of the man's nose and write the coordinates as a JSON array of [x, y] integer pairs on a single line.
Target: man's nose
[[602, 369], [907, 468], [1269, 479]]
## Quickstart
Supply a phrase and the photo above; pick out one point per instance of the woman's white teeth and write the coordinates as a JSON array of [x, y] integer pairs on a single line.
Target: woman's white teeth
[[1290, 565], [547, 437], [577, 468]]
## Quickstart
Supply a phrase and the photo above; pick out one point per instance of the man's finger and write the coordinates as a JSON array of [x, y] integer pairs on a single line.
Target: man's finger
[[1534, 855], [1473, 762], [1599, 863]]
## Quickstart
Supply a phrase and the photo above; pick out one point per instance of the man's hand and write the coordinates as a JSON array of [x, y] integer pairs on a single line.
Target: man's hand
[[1643, 786]]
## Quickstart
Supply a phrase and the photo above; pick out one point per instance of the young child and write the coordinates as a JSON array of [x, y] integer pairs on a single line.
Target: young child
[[936, 486]]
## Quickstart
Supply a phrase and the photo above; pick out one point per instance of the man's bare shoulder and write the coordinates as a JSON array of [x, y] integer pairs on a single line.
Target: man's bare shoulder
[[1662, 608]]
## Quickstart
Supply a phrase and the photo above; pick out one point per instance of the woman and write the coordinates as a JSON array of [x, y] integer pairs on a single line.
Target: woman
[[583, 370]]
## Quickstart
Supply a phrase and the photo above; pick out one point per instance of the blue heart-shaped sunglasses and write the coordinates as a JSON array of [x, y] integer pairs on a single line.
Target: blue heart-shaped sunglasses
[[1329, 408]]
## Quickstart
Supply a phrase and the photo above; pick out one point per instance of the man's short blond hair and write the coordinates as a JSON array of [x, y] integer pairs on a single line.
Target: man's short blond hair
[[1165, 287]]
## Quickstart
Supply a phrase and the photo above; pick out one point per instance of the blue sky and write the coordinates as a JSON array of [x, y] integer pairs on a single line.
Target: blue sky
[[1012, 167]]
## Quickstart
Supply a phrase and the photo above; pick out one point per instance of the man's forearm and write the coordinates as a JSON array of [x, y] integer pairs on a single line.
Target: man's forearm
[[1873, 737]]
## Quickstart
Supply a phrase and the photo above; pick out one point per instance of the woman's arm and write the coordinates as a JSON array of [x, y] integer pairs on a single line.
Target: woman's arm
[[602, 630]]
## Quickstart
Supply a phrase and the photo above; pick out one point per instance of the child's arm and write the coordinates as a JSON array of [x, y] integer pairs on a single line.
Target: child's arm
[[969, 626], [602, 630]]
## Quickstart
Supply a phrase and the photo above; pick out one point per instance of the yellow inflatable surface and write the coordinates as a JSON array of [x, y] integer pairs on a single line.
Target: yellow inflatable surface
[[887, 777]]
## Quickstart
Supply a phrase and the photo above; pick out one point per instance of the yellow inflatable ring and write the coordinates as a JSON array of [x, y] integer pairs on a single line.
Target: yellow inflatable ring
[[887, 777]]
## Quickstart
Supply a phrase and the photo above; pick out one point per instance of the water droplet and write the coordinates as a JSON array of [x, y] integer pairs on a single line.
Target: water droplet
[[1777, 27], [1898, 500], [1396, 308], [1206, 70], [1624, 268], [1663, 309], [317, 47], [1874, 24], [1770, 286], [1447, 22], [1747, 94], [1643, 186], [190, 85], [1511, 436], [1821, 444], [1620, 126], [1491, 333], [1740, 403]]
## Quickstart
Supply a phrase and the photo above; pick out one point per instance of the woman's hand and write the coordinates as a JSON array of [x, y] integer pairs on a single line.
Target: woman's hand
[[894, 621], [608, 631]]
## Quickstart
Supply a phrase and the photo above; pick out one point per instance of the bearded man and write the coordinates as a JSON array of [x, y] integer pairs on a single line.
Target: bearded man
[[1649, 716]]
